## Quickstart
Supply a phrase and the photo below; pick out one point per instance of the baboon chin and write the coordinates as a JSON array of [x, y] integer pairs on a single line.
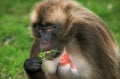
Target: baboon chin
[[85, 48]]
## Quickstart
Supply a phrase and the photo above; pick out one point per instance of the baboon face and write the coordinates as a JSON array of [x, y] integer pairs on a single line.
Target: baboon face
[[49, 26]]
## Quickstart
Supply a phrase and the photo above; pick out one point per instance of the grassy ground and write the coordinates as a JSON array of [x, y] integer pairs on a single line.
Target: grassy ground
[[15, 39]]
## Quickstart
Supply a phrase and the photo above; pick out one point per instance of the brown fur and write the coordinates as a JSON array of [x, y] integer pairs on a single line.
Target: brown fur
[[85, 32]]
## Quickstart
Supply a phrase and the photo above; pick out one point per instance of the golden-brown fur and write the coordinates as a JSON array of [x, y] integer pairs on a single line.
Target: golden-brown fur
[[83, 30]]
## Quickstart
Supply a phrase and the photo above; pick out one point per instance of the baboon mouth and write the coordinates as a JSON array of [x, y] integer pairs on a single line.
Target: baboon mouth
[[52, 51], [50, 54]]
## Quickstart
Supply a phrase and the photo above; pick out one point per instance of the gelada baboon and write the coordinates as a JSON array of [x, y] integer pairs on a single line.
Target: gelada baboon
[[86, 48]]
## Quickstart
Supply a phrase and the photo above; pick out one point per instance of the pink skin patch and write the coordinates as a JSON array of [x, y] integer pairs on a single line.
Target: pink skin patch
[[65, 60]]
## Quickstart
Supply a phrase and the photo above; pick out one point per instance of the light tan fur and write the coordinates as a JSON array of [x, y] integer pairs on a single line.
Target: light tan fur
[[89, 42]]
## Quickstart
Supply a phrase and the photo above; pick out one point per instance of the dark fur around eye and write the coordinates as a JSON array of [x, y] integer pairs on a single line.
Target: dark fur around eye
[[37, 26], [40, 26]]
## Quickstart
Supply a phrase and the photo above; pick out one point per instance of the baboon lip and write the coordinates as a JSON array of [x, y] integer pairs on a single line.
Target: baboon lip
[[48, 52], [52, 51]]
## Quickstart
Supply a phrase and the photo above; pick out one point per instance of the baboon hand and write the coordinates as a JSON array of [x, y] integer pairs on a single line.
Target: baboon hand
[[32, 65]]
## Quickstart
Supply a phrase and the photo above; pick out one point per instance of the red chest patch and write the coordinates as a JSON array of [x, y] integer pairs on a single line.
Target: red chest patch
[[65, 59]]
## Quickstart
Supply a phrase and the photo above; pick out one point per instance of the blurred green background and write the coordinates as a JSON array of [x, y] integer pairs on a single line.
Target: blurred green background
[[15, 38]]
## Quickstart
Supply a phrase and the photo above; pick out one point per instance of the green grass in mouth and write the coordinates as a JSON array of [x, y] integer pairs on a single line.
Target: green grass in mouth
[[44, 55]]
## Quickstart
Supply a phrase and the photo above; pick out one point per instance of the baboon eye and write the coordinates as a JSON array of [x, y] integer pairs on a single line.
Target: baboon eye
[[35, 26]]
